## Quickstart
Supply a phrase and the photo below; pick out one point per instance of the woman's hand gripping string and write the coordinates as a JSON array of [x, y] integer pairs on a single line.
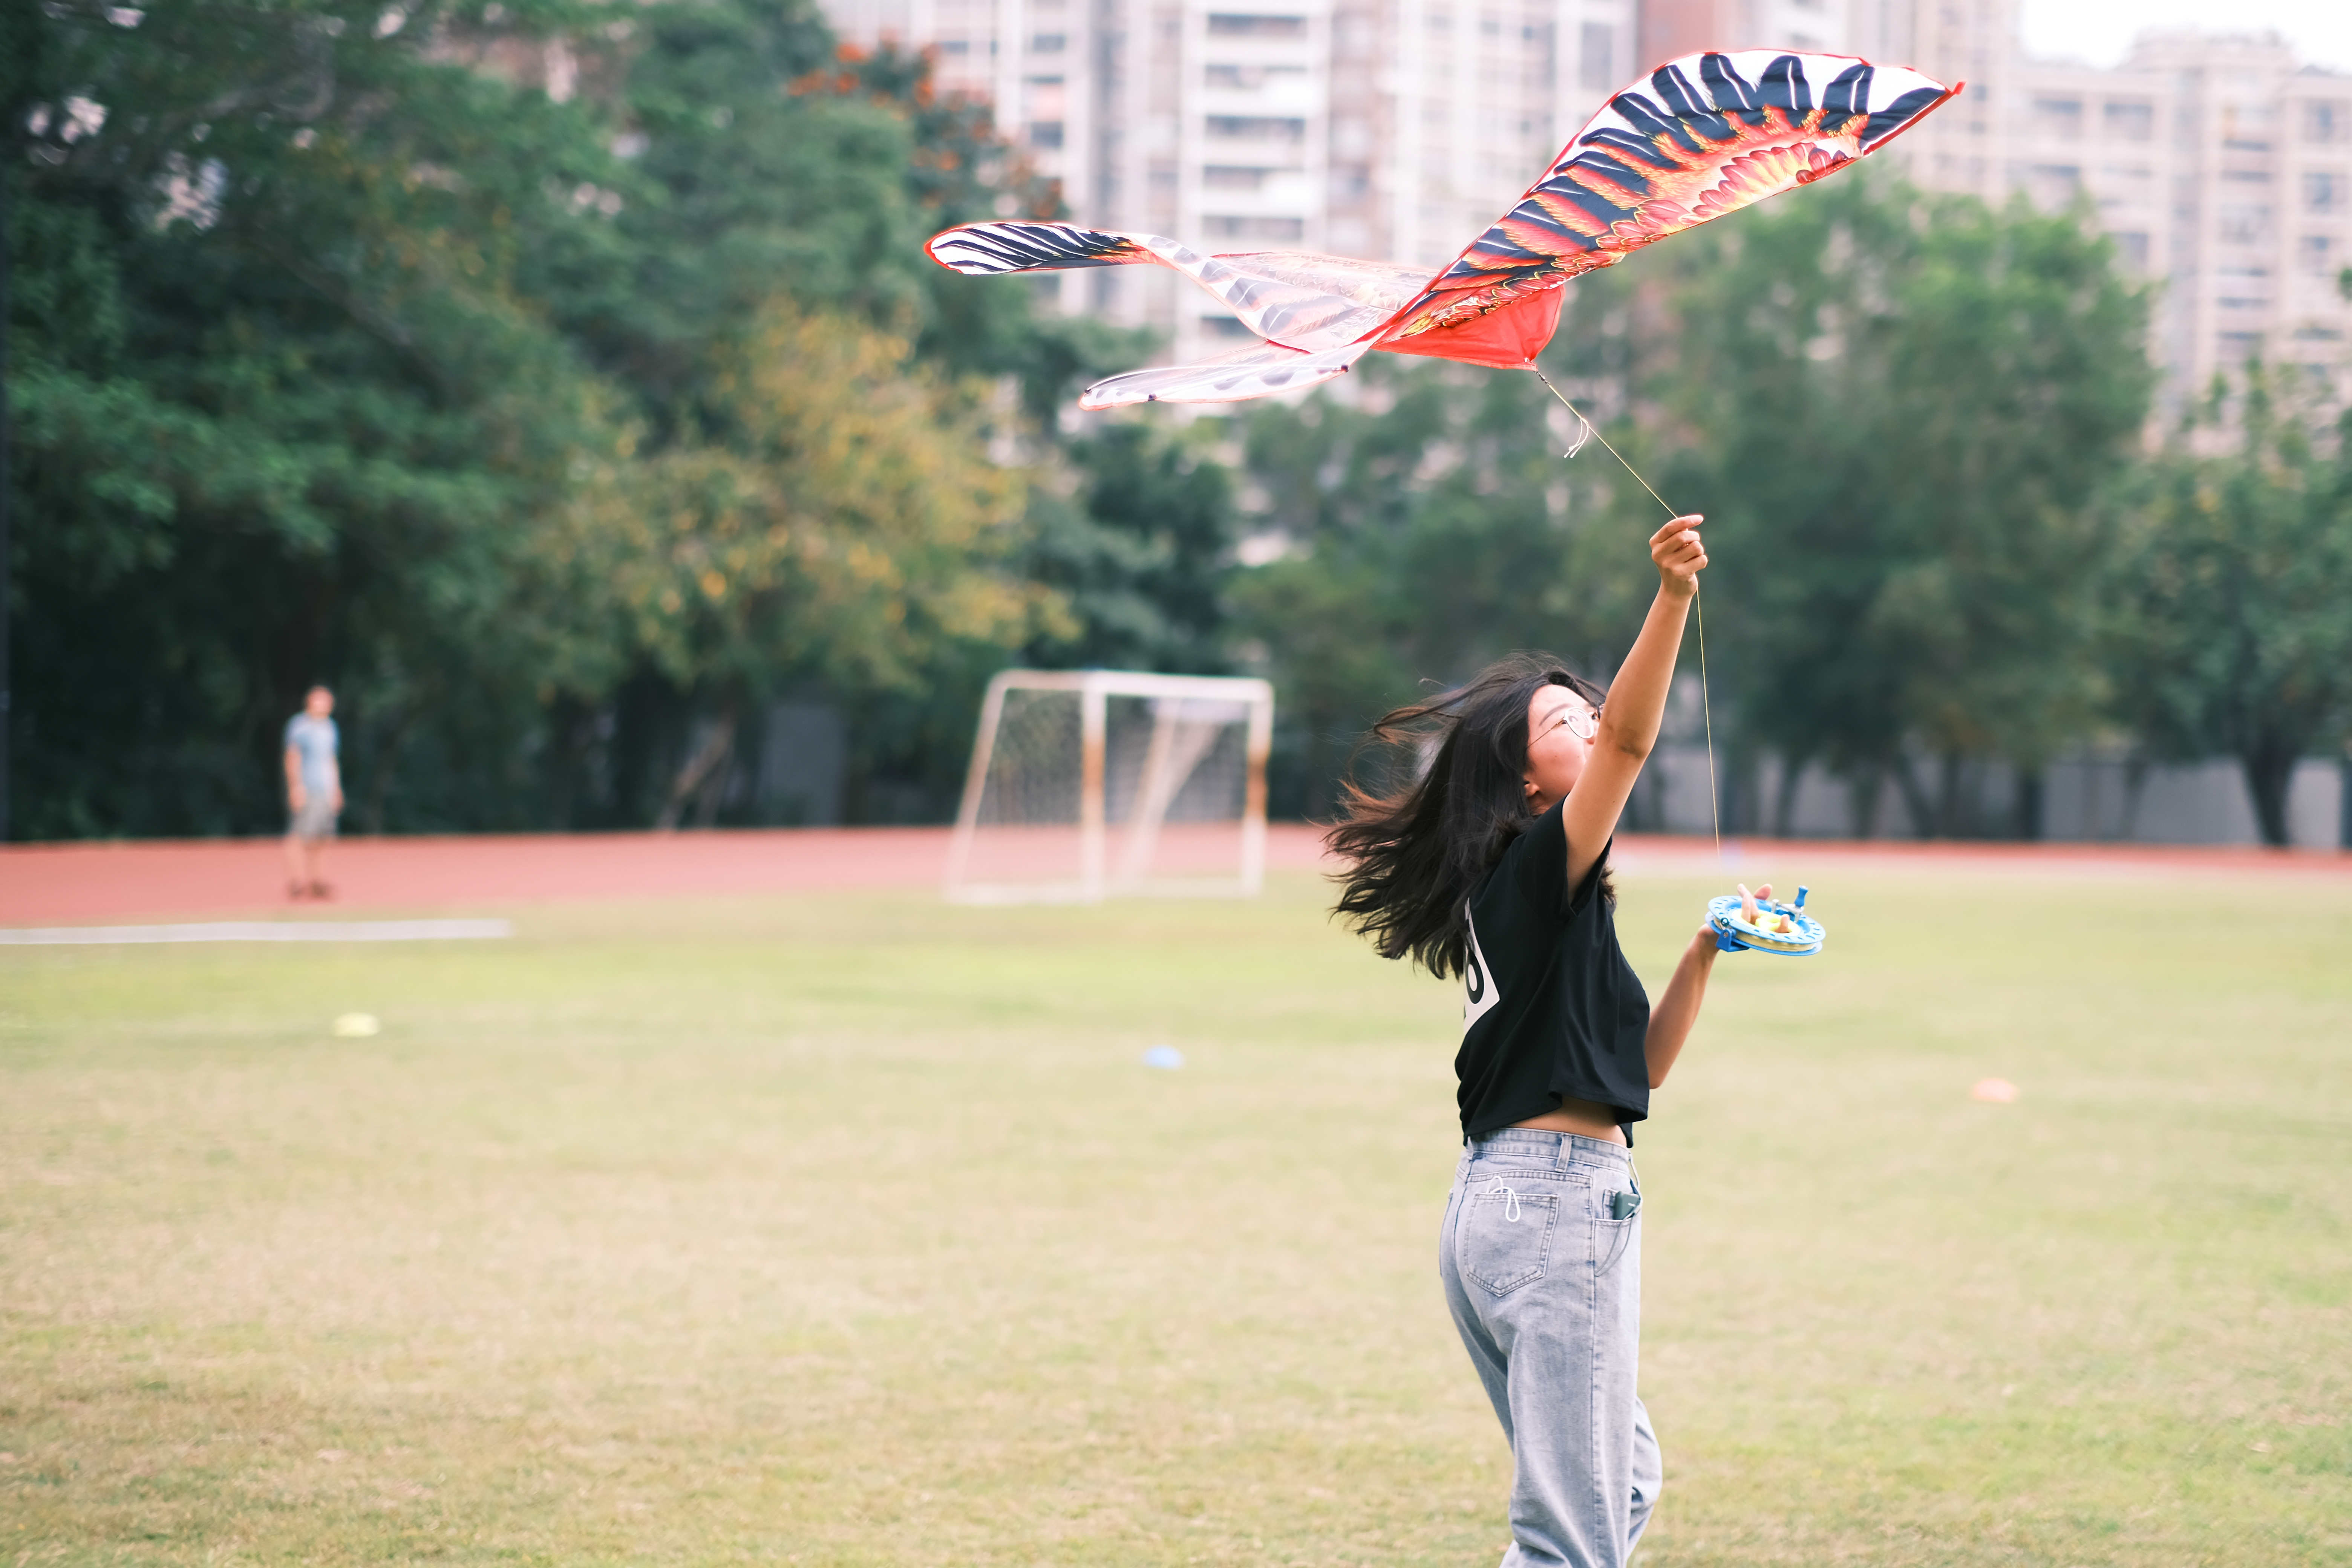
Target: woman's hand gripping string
[[1680, 554]]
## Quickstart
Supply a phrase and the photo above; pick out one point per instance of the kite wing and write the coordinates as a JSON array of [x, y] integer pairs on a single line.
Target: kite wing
[[1255, 370], [1714, 134], [1317, 313], [1296, 299]]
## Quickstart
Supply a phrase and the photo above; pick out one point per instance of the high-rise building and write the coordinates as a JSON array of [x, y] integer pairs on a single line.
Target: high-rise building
[[2223, 170]]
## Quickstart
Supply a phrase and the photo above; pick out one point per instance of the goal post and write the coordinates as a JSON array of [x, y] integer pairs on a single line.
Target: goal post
[[1088, 783]]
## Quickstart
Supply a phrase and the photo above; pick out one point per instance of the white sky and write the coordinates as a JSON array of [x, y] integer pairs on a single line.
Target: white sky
[[2099, 31]]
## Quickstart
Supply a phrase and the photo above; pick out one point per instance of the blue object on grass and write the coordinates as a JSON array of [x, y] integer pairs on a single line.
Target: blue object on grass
[[1166, 1057]]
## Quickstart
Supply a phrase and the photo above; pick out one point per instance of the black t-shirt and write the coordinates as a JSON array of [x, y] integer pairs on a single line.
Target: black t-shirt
[[1550, 1007]]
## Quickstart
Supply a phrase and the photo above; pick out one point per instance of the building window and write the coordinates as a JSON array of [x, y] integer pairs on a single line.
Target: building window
[[1230, 177], [1596, 58], [2132, 248], [2060, 117], [2129, 121], [1046, 134], [1257, 127], [1230, 25], [2244, 224], [2237, 347], [1281, 230], [2327, 192], [1048, 43], [2313, 252], [1047, 100], [1249, 78], [2326, 120], [2056, 186]]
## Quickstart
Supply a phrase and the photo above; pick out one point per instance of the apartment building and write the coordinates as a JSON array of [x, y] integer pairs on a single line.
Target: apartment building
[[1445, 111], [2222, 169]]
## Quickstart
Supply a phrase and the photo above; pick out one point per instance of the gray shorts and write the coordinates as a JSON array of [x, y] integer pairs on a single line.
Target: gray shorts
[[315, 820]]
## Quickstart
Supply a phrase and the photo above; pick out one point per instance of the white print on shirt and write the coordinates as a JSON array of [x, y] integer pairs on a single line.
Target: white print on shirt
[[1480, 992]]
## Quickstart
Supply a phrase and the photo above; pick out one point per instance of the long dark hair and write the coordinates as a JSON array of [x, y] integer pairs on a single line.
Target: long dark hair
[[1414, 855]]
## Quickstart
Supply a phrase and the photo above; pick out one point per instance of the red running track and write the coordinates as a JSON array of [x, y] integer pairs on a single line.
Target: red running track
[[62, 884], [56, 884]]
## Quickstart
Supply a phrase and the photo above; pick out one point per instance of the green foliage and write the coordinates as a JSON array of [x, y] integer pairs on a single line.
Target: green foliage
[[375, 353], [1896, 412], [1140, 554], [313, 415], [1903, 407], [2232, 631]]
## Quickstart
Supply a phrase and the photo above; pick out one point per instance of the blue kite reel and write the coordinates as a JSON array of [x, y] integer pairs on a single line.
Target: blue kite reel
[[1733, 935]]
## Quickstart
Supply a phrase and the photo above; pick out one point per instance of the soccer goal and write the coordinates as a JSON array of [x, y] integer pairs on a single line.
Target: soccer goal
[[1086, 784]]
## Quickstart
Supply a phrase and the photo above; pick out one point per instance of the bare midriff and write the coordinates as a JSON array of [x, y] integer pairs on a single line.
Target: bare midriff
[[1585, 1118]]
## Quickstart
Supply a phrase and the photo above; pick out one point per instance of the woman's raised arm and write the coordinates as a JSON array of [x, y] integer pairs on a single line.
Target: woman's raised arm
[[1637, 700]]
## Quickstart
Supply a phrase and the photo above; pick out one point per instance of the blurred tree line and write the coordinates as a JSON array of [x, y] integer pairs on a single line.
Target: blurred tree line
[[1940, 540], [563, 381]]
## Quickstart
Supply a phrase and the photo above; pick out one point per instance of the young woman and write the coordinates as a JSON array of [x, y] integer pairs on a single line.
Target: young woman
[[1493, 866]]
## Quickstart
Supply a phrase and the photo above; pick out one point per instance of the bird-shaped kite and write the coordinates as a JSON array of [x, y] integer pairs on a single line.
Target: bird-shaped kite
[[1705, 135]]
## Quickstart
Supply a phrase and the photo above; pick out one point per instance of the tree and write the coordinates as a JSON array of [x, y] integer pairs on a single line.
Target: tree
[[426, 349], [2232, 629], [1897, 410], [1141, 553], [850, 530], [279, 409]]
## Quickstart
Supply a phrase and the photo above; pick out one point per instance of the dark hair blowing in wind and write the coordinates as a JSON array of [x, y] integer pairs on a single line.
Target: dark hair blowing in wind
[[1414, 856]]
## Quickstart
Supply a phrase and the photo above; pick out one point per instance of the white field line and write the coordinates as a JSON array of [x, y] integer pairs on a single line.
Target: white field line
[[258, 930]]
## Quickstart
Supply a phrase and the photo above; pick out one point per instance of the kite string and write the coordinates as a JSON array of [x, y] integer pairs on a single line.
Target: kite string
[[1707, 703]]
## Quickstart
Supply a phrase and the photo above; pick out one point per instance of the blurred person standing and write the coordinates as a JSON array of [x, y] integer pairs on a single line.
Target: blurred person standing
[[314, 792]]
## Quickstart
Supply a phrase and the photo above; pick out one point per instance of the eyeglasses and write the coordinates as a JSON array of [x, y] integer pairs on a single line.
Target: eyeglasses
[[1580, 721]]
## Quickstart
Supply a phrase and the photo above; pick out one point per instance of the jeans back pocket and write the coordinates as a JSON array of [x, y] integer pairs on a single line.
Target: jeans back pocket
[[1505, 1235]]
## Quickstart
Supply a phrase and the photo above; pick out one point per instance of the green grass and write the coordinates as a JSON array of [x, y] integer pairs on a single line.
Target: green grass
[[850, 1230]]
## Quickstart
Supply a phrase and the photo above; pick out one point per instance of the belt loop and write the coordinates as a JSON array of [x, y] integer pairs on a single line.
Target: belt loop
[[1565, 1153]]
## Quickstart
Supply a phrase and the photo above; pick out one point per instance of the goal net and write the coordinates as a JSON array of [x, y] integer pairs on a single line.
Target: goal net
[[1086, 784]]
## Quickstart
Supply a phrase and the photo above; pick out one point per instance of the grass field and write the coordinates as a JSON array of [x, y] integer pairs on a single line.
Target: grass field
[[849, 1229]]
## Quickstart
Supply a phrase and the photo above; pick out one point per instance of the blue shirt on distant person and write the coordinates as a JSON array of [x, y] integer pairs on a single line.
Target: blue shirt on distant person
[[315, 741]]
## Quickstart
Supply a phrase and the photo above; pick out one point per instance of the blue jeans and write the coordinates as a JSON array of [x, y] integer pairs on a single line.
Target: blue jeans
[[1541, 1257]]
